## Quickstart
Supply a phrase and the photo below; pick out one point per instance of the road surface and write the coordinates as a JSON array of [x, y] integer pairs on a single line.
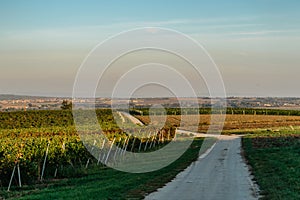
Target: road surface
[[220, 175], [134, 120]]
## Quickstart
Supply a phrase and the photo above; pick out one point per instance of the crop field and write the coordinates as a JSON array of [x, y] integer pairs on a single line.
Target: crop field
[[100, 182], [233, 122], [40, 151], [39, 147]]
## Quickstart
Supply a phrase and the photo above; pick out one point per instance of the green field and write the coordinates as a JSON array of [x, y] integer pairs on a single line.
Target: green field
[[275, 161], [72, 172], [106, 183], [38, 139]]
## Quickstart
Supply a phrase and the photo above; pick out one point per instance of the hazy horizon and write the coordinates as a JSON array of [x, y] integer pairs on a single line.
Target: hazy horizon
[[255, 44], [229, 96]]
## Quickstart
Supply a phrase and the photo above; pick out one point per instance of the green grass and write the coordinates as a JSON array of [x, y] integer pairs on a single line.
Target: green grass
[[107, 183], [273, 131], [275, 162]]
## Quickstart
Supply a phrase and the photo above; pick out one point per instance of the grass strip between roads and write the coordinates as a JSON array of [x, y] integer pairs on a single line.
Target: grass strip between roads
[[107, 183]]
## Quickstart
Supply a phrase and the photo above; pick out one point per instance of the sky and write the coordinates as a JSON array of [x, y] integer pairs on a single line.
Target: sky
[[254, 43]]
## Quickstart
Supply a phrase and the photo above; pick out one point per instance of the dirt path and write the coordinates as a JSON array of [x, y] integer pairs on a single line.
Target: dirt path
[[134, 120], [221, 174]]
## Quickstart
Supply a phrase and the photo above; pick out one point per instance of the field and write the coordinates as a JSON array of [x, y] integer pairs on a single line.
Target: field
[[235, 122], [41, 148], [31, 142], [48, 158], [275, 161], [106, 183]]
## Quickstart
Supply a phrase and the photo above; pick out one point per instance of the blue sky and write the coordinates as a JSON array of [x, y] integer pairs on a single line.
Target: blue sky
[[254, 43]]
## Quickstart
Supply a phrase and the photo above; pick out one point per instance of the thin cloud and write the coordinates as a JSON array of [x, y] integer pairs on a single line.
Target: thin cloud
[[264, 32]]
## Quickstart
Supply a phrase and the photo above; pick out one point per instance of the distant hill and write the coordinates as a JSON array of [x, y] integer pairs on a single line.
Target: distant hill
[[19, 97]]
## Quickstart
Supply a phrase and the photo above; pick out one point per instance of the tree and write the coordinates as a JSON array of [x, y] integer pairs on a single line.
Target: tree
[[66, 105]]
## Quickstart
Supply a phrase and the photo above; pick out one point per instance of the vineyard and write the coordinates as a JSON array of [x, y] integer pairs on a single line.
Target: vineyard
[[36, 146], [232, 123], [216, 110], [45, 145]]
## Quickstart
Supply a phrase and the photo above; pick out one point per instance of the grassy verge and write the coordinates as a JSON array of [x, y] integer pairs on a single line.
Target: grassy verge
[[262, 131], [275, 162], [107, 183]]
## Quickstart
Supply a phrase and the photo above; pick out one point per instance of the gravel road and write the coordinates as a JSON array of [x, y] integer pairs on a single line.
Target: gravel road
[[220, 175]]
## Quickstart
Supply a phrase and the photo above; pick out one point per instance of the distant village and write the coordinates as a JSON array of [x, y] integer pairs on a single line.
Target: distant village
[[26, 103]]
